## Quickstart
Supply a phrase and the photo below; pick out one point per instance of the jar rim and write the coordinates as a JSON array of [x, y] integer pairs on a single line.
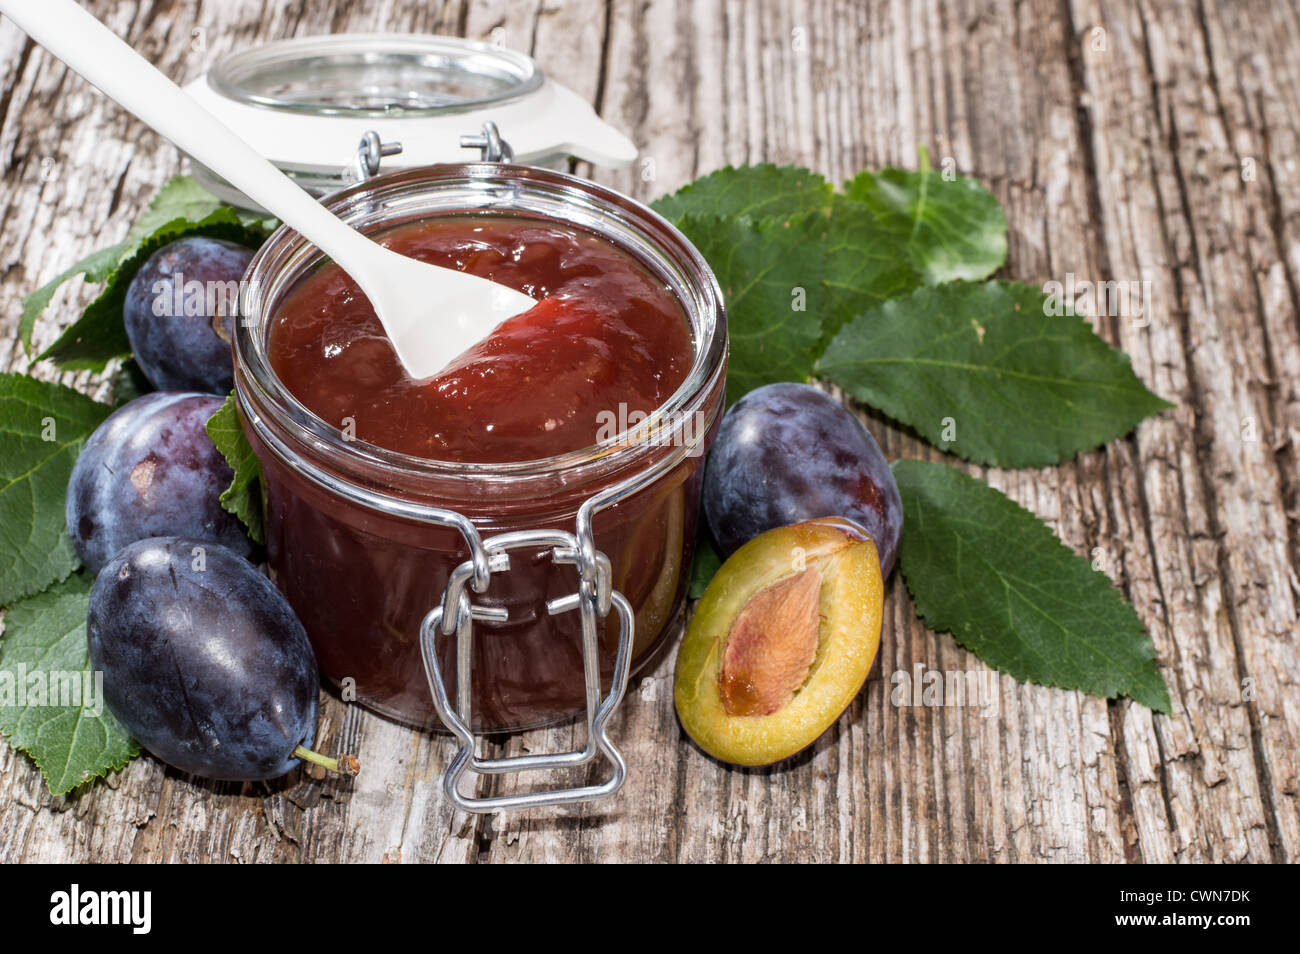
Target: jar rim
[[327, 75], [502, 189]]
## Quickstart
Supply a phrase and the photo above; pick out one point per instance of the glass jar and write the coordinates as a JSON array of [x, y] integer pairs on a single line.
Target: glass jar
[[358, 536], [305, 102]]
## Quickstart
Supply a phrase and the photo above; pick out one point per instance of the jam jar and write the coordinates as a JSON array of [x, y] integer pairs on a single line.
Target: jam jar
[[564, 568]]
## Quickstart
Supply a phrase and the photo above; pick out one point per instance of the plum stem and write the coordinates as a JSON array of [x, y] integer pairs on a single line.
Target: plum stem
[[343, 765]]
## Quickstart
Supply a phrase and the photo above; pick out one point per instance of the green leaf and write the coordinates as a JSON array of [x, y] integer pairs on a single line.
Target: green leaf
[[179, 198], [770, 272], [865, 264], [755, 192], [952, 228], [98, 335], [95, 267], [890, 234], [129, 383], [42, 429], [68, 731], [245, 494], [980, 370], [706, 562], [983, 568]]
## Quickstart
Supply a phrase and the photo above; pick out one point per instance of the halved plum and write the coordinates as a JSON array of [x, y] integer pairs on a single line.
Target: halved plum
[[781, 641]]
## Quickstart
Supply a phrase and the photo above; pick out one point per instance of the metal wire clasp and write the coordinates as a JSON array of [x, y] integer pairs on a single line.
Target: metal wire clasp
[[370, 152], [456, 615], [491, 147]]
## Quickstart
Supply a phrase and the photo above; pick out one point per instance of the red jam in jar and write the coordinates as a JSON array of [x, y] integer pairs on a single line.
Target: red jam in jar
[[513, 435], [604, 335]]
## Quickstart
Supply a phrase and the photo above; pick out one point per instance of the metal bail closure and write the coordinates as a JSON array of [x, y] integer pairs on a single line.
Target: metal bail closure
[[456, 615], [491, 147], [370, 152]]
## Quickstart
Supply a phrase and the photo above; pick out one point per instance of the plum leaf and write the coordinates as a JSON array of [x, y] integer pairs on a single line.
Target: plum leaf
[[865, 264], [980, 566], [95, 267], [705, 563], [981, 371], [952, 227], [770, 271], [244, 496], [51, 705], [756, 192], [42, 429], [179, 198]]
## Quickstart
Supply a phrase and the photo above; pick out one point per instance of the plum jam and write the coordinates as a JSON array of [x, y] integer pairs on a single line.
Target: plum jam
[[361, 464], [605, 335]]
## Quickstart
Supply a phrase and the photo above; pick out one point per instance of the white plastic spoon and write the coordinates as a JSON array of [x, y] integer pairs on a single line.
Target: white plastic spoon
[[431, 314]]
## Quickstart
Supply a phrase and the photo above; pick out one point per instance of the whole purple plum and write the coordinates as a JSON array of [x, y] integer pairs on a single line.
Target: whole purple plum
[[150, 470], [787, 453], [179, 313], [204, 662]]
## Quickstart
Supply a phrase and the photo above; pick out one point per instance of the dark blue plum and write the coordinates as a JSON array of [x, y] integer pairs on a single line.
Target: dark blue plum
[[179, 313], [786, 453], [204, 662], [150, 470]]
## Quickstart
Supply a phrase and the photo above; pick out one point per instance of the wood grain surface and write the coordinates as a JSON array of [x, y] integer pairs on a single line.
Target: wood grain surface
[[1133, 141]]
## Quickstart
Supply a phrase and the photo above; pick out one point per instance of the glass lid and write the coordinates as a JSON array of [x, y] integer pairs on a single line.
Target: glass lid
[[375, 75]]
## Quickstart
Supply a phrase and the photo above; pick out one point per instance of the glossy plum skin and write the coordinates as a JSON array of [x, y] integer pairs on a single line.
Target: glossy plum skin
[[177, 349], [786, 453], [150, 470], [208, 668]]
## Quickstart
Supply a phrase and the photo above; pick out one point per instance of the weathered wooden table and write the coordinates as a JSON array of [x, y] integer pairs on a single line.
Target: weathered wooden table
[[1139, 141]]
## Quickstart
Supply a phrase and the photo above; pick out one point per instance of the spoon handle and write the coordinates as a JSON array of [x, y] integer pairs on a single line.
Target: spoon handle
[[87, 46]]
